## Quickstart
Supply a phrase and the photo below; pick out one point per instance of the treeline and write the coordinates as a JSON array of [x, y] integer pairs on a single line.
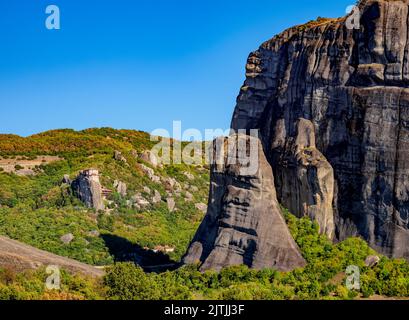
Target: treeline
[[68, 142]]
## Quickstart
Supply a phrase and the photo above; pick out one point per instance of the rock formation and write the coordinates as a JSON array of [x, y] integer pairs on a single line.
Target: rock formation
[[243, 224], [88, 189], [306, 178], [120, 187], [119, 157], [149, 157], [67, 238], [332, 106]]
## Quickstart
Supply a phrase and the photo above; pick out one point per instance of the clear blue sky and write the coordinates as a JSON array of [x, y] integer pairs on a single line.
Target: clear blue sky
[[135, 64]]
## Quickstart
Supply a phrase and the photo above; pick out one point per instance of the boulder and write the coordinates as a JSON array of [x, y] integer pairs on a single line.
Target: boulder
[[119, 157], [66, 179], [120, 187], [149, 172], [149, 157], [188, 196], [157, 197], [139, 201], [94, 233], [201, 207], [67, 238], [372, 261], [189, 175]]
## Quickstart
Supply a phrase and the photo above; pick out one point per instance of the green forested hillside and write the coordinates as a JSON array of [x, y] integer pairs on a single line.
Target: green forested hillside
[[39, 209]]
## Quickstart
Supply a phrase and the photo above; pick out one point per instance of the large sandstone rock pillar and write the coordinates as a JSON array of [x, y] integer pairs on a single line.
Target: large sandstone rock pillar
[[243, 224]]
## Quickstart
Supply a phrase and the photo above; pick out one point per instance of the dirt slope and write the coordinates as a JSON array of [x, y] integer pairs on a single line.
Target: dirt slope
[[19, 256]]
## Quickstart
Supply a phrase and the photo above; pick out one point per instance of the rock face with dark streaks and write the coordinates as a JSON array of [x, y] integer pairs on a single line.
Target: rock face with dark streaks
[[243, 224], [332, 106], [88, 189], [305, 176]]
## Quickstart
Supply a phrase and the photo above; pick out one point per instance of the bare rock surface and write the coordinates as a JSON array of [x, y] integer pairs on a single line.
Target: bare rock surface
[[351, 88], [67, 238], [149, 157], [372, 261], [156, 197], [121, 187], [243, 224]]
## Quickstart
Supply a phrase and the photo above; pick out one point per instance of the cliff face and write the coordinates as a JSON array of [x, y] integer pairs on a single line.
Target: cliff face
[[332, 106], [243, 224]]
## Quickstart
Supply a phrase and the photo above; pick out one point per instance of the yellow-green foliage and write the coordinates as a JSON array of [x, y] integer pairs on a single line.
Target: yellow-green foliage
[[322, 278], [30, 285], [39, 209]]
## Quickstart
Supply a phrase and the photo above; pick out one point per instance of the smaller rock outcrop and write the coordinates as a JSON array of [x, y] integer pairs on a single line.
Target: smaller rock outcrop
[[149, 172], [171, 185], [156, 197], [119, 157], [120, 187], [149, 157], [139, 201], [88, 189], [372, 261]]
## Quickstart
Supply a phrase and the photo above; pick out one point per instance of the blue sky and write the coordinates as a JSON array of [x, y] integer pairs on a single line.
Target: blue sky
[[135, 64]]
